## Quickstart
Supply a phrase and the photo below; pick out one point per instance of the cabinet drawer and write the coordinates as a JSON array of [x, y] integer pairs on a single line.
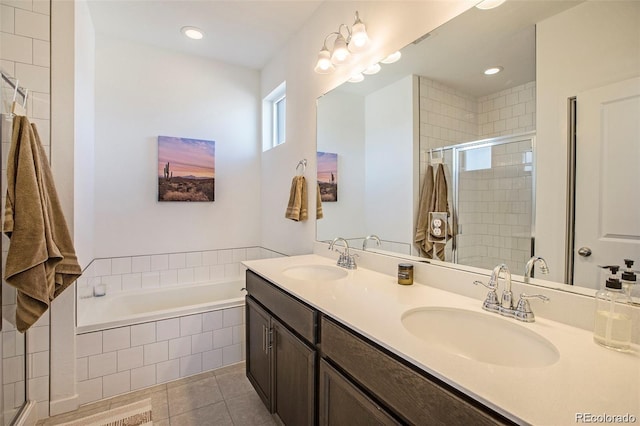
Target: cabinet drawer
[[409, 394], [292, 312]]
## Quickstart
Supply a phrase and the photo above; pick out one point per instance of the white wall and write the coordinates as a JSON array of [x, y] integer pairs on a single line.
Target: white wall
[[343, 132], [391, 25], [390, 146], [84, 159], [590, 45], [143, 92]]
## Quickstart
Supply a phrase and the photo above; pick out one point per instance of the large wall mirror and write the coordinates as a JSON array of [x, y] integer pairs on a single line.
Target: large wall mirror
[[510, 145]]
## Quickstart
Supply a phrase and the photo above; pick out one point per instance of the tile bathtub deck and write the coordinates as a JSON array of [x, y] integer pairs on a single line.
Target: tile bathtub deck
[[220, 397]]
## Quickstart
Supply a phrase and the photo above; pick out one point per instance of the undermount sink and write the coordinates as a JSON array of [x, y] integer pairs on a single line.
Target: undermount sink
[[481, 337], [315, 272]]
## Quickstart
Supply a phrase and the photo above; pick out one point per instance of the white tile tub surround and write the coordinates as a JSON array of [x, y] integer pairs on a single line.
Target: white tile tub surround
[[171, 269], [127, 358], [120, 360]]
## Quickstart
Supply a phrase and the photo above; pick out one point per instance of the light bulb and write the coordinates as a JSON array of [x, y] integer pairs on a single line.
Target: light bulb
[[340, 52], [359, 38], [324, 65]]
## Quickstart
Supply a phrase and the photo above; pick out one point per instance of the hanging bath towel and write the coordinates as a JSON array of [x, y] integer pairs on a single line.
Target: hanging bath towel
[[440, 203], [424, 245], [41, 261], [297, 207]]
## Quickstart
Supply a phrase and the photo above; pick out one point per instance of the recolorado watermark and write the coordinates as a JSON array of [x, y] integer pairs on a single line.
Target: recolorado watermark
[[605, 418]]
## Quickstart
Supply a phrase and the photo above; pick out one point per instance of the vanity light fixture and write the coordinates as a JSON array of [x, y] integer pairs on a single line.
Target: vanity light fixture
[[355, 40], [372, 69], [356, 78], [192, 32], [489, 4], [492, 70], [394, 57]]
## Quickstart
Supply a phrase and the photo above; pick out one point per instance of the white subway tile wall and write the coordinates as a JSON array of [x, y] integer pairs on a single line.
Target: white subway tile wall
[[154, 271], [495, 204], [120, 360], [24, 53], [123, 359]]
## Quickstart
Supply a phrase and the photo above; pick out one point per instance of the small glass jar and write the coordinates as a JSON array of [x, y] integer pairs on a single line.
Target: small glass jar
[[405, 273]]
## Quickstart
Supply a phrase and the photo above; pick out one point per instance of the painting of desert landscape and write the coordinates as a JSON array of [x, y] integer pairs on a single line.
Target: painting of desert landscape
[[186, 169], [328, 176]]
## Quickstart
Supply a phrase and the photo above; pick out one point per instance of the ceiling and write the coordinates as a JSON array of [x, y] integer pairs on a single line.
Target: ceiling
[[457, 53], [239, 32]]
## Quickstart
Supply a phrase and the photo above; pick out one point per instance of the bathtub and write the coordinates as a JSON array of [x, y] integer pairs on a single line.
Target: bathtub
[[139, 306]]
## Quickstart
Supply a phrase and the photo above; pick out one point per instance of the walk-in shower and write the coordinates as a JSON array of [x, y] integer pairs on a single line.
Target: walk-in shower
[[491, 199]]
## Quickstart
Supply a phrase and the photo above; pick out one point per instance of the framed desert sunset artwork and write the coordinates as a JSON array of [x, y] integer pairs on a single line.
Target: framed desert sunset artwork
[[328, 176], [186, 169]]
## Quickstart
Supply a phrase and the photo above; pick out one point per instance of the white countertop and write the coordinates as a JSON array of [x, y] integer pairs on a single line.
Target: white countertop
[[586, 379]]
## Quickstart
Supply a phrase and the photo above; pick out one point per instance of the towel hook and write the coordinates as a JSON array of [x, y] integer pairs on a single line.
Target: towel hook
[[302, 163]]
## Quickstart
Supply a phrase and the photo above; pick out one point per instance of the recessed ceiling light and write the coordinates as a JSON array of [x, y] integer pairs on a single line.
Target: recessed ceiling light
[[492, 70], [489, 4], [193, 32]]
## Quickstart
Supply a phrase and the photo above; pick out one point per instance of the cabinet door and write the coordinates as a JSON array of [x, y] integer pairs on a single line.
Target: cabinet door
[[341, 403], [258, 359], [294, 377]]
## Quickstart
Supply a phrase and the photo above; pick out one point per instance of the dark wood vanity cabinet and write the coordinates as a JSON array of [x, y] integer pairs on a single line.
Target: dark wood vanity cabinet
[[281, 360], [309, 369]]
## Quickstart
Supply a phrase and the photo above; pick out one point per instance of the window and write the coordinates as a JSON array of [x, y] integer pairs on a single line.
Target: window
[[274, 109]]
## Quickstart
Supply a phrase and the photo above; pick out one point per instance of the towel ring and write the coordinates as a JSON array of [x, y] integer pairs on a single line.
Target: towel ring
[[302, 163]]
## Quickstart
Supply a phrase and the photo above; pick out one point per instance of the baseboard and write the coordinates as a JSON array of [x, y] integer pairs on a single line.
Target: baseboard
[[28, 415], [64, 405]]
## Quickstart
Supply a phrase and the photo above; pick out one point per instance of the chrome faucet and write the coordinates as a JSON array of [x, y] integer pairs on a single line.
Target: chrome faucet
[[529, 267], [370, 237], [522, 311], [345, 260], [506, 301]]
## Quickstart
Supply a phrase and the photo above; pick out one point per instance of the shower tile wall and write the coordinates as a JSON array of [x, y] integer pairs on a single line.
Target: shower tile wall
[[495, 209], [24, 53], [449, 117]]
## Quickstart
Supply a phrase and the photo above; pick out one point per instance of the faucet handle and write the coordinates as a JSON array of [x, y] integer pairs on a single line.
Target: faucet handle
[[351, 261], [523, 310], [490, 303]]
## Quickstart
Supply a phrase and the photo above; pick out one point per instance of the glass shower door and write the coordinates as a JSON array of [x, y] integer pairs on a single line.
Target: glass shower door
[[12, 344], [495, 203]]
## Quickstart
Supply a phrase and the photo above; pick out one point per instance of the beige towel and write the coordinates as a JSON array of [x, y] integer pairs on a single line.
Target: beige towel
[[297, 207], [425, 246], [41, 261], [319, 214], [440, 203]]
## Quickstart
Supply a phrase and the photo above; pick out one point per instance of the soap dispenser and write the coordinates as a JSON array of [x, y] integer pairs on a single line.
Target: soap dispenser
[[612, 327], [629, 278]]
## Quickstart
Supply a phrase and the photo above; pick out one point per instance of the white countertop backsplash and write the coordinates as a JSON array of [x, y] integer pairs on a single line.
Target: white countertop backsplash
[[587, 378]]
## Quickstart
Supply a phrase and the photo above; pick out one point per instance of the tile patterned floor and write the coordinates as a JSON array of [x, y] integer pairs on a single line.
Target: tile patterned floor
[[220, 397]]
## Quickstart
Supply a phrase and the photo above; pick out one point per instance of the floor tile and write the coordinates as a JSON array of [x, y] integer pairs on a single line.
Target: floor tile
[[213, 414], [193, 395], [248, 410], [240, 366], [234, 384]]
